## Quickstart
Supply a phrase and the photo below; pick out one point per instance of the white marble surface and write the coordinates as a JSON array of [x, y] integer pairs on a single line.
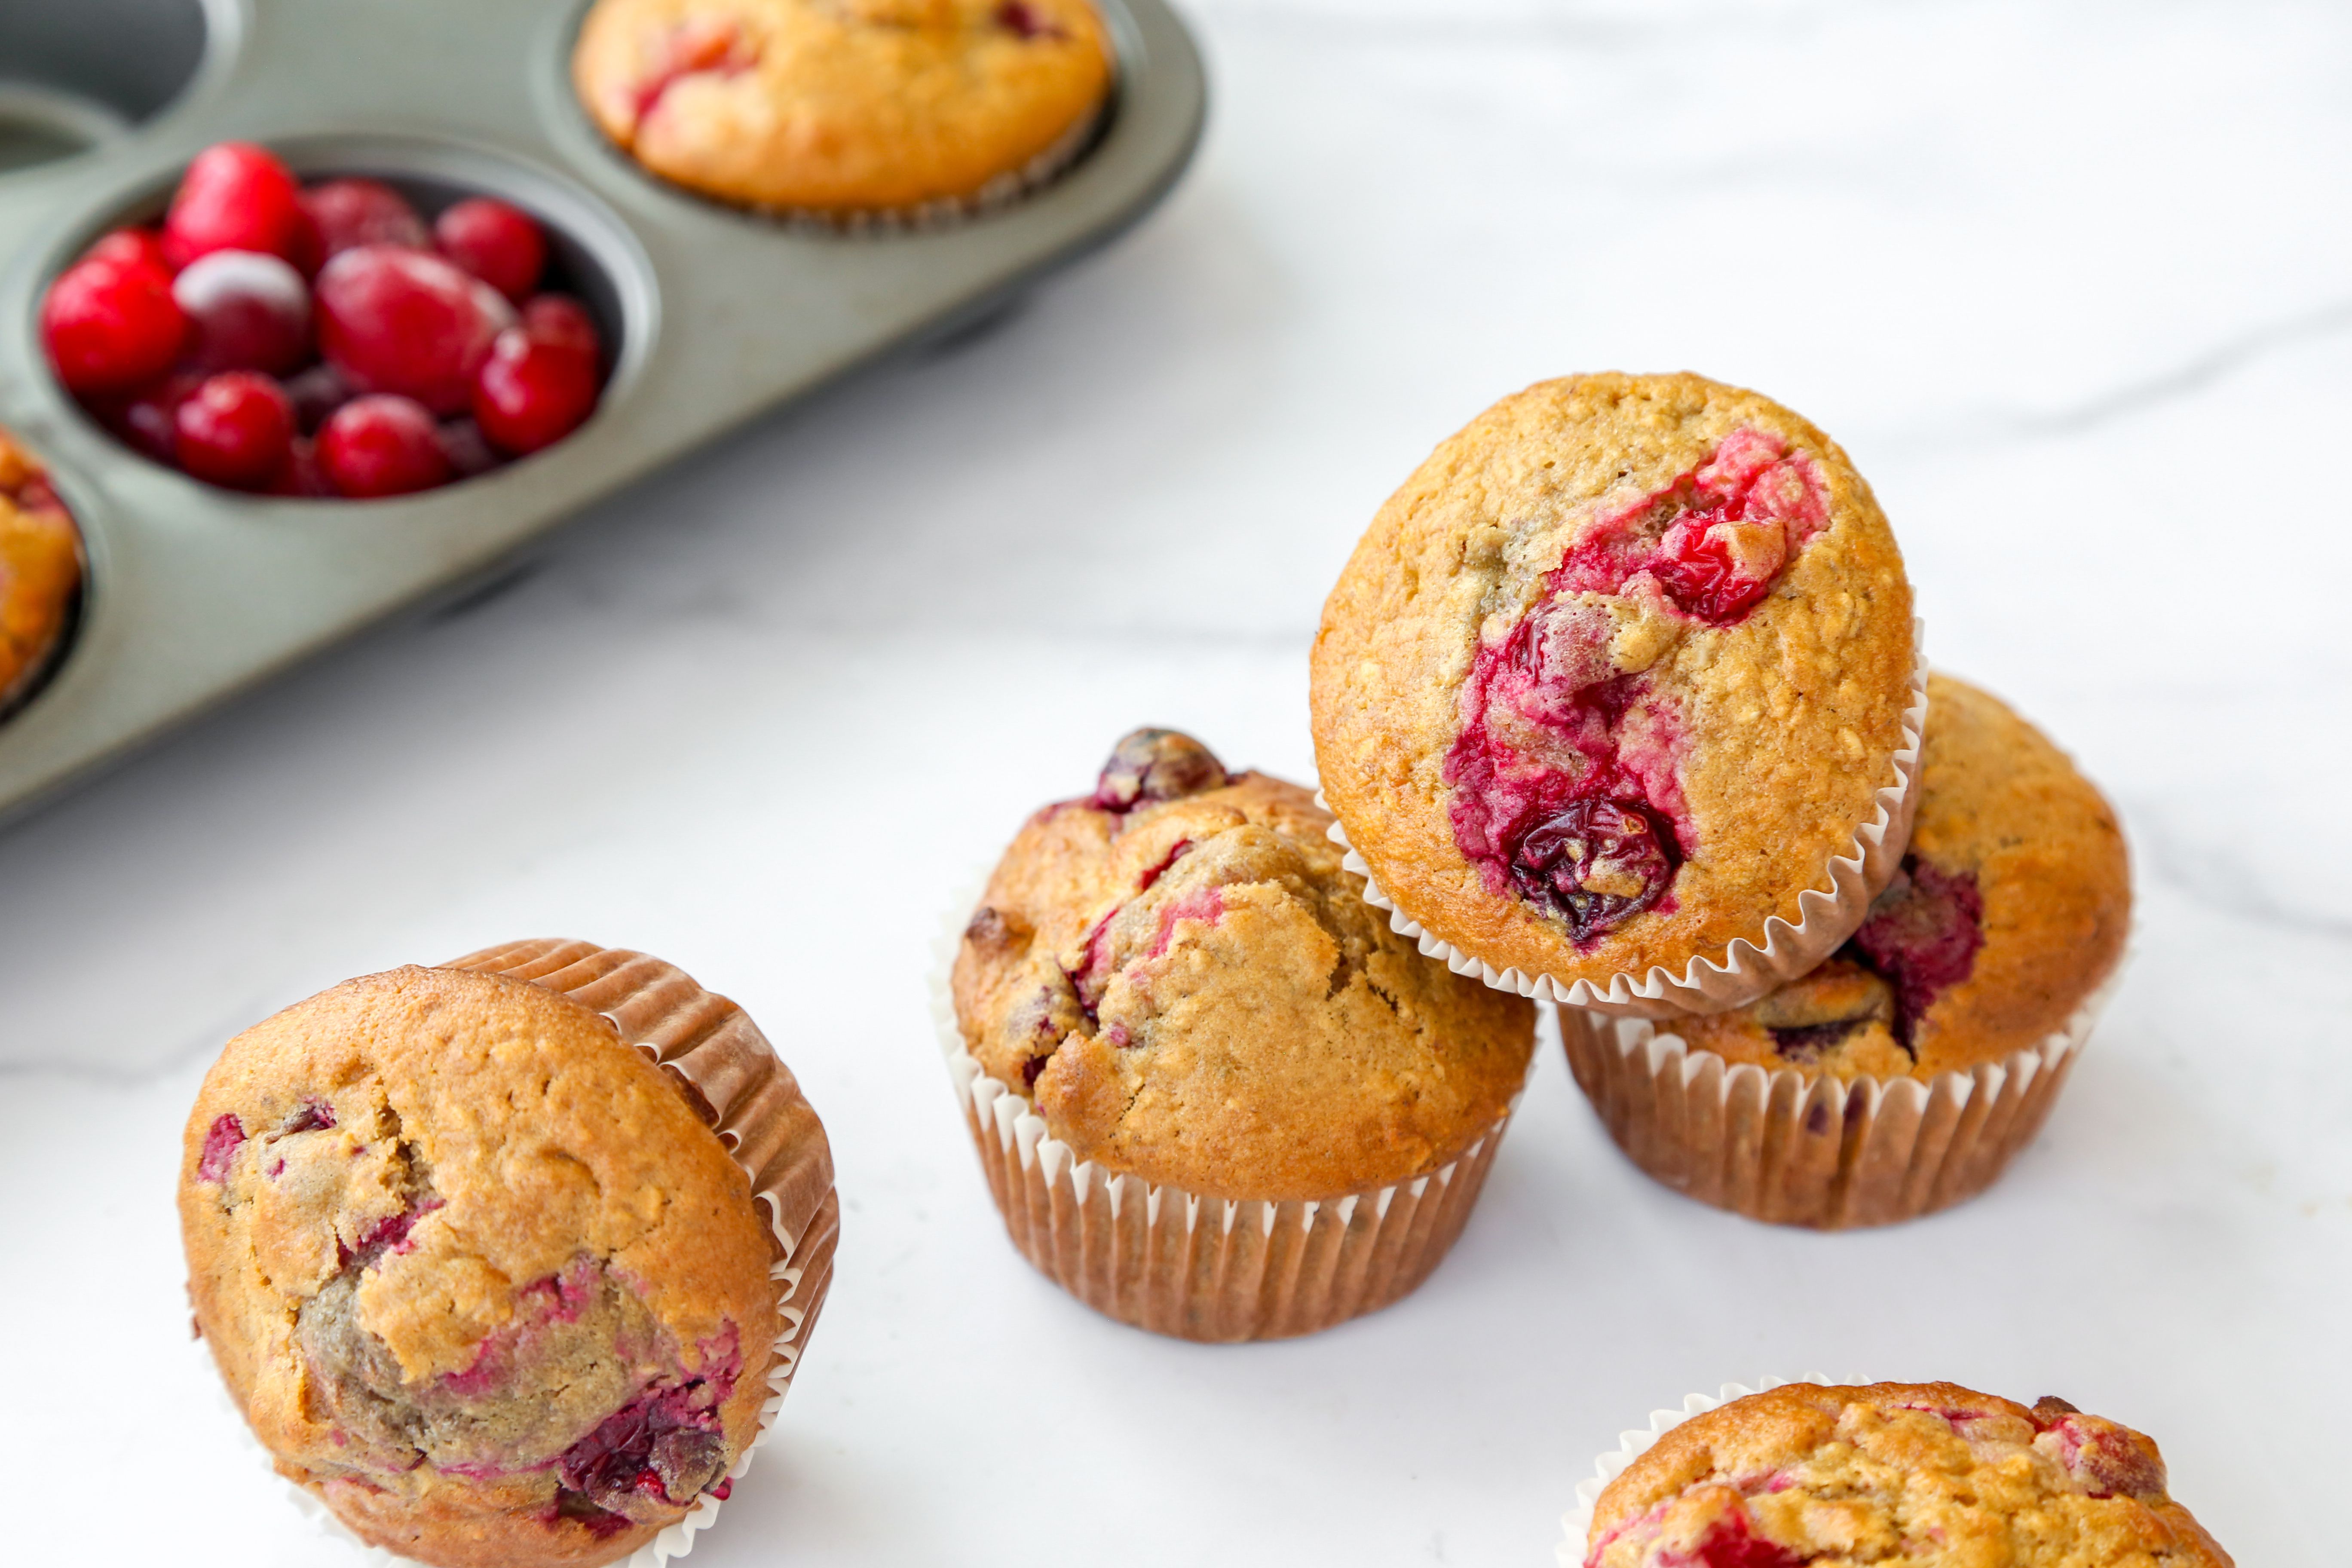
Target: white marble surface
[[2067, 279]]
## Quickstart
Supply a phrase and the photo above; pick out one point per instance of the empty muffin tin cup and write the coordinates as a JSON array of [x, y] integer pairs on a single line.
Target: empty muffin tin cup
[[1190, 1264], [1745, 969], [713, 1051]]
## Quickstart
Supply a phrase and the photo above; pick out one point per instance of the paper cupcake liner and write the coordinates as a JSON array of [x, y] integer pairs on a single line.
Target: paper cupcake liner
[[1630, 1445], [1827, 914], [1828, 1153], [1192, 1266], [748, 1096]]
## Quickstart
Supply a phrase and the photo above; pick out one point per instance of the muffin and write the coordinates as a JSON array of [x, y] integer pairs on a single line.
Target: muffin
[[1924, 1473], [844, 108], [1616, 698], [1216, 1097], [1903, 1074], [40, 573], [508, 1262]]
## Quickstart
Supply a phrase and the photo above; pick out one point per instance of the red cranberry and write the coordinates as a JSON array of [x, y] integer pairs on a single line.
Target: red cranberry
[[237, 430], [150, 418], [469, 450], [128, 245], [250, 311], [317, 393], [353, 213], [1922, 933], [497, 244], [109, 325], [220, 1142], [560, 319], [1025, 21], [404, 321], [383, 445], [237, 197], [302, 476], [1598, 863], [531, 394]]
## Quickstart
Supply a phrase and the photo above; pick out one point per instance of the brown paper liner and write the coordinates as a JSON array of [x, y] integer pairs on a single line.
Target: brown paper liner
[[1201, 1268], [1827, 1152], [730, 1073]]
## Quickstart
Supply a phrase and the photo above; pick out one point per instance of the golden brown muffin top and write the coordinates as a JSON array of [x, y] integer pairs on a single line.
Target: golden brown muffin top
[[1190, 988], [40, 569], [1614, 675], [1929, 1474], [843, 106], [2011, 908], [459, 1250]]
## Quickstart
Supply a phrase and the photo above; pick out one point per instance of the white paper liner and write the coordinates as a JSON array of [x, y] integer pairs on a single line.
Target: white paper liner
[[1630, 1445], [1829, 914], [679, 1014], [1828, 1153], [1183, 1264]]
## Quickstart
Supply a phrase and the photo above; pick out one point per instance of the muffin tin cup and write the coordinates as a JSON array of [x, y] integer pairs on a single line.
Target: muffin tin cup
[[1828, 1154], [1827, 914], [1632, 1446], [1189, 1265], [712, 1048]]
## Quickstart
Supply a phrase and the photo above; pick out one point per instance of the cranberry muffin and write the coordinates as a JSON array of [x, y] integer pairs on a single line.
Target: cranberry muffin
[[488, 1279], [842, 107], [1974, 978], [40, 573], [1619, 679], [1928, 1473], [1178, 977]]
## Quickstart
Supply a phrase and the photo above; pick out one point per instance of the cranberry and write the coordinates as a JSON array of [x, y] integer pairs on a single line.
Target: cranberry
[[1149, 766], [560, 319], [250, 311], [353, 213], [398, 321], [1732, 1545], [237, 430], [220, 1142], [311, 1116], [150, 418], [497, 244], [1017, 18], [317, 393], [1922, 933], [694, 45], [302, 477], [129, 245], [237, 197], [109, 325], [1596, 862], [531, 394], [383, 445], [469, 450]]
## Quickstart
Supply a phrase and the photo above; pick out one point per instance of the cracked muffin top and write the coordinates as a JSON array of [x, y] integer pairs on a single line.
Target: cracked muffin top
[[474, 1269], [845, 106], [1614, 675], [2011, 908], [1179, 973], [1930, 1475], [40, 572]]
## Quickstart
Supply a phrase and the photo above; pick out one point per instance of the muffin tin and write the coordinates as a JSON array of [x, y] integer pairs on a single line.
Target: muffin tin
[[710, 315]]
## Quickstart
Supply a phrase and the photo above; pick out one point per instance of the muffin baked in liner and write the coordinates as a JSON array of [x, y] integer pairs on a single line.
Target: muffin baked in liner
[[41, 575], [1745, 969], [1175, 1262], [711, 1049], [1574, 1550], [1833, 1154]]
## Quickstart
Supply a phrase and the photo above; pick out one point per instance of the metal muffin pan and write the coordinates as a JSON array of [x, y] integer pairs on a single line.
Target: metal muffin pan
[[711, 315]]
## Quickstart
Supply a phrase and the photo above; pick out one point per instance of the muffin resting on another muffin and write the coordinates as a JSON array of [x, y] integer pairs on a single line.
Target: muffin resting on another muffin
[[40, 572], [842, 107], [478, 1273], [1180, 974], [2011, 908], [1929, 1474]]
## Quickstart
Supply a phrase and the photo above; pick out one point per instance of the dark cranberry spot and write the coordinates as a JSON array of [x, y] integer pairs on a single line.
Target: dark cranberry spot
[[1149, 766], [1922, 934], [720, 1491], [1733, 1545], [2049, 1407], [1597, 863], [1805, 1042], [1117, 1035], [2106, 1458], [666, 1441], [1817, 1120], [387, 1235], [1015, 17], [1154, 873], [311, 1116], [221, 1143], [601, 1523], [1031, 1068]]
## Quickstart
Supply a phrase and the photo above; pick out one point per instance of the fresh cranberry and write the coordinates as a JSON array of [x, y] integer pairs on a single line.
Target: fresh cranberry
[[469, 450], [222, 1139], [497, 243], [129, 245], [383, 444], [149, 418], [238, 196], [1596, 862], [564, 321], [531, 394], [110, 325], [1922, 933], [249, 311], [399, 321], [317, 393], [302, 477], [237, 430], [353, 213]]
